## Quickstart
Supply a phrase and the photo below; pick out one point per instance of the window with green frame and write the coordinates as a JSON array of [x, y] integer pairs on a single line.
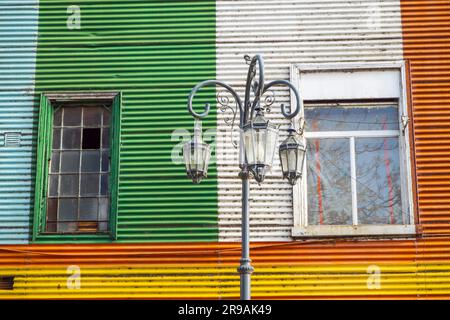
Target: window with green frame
[[77, 163]]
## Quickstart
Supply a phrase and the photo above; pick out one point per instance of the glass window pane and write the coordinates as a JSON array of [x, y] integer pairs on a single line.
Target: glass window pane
[[378, 181], [90, 161], [56, 143], [105, 138], [106, 117], [105, 161], [53, 185], [69, 185], [72, 116], [104, 187], [326, 118], [92, 116], [68, 209], [103, 226], [57, 117], [89, 184], [70, 161], [71, 138], [88, 209], [91, 138], [329, 182], [55, 161], [52, 209], [103, 212], [67, 227], [51, 226]]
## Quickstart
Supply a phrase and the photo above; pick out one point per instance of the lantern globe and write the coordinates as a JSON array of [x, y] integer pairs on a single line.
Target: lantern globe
[[196, 154], [292, 153], [260, 137]]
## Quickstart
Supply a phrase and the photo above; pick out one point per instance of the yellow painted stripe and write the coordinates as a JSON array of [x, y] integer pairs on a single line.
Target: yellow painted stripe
[[223, 282]]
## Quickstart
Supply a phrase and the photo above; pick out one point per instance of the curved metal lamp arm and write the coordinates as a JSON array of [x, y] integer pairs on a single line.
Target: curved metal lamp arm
[[283, 107], [207, 105], [258, 85]]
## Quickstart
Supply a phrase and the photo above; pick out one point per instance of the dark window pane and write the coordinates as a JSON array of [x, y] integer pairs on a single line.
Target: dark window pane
[[329, 182], [56, 144], [88, 209], [69, 185], [72, 116], [53, 185], [90, 161], [67, 227], [103, 212], [351, 118], [52, 209], [92, 116], [104, 187], [106, 117], [105, 138], [91, 138], [89, 184], [70, 161], [55, 161], [103, 226], [68, 209], [71, 138], [57, 117], [51, 226], [378, 181], [105, 161]]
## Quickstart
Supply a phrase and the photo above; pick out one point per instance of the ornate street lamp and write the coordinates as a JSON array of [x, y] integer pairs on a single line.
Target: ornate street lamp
[[292, 155], [257, 145], [260, 138], [196, 155]]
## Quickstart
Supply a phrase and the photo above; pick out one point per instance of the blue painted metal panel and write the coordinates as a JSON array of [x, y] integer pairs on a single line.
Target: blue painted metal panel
[[18, 117]]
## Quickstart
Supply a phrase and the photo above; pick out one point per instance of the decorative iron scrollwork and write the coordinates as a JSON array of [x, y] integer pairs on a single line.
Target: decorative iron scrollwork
[[254, 90]]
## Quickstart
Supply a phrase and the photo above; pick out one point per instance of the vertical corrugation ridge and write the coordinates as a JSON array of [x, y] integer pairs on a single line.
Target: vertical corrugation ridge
[[426, 33], [154, 52], [18, 35]]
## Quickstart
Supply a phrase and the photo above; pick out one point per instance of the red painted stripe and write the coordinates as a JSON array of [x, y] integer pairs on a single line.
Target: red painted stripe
[[387, 164]]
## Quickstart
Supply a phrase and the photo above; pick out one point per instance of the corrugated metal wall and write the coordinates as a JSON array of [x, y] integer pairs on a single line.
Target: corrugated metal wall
[[154, 52], [289, 32], [426, 33], [18, 36], [405, 269], [171, 209]]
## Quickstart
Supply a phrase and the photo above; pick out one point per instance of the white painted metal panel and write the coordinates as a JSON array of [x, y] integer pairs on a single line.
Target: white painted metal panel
[[286, 33], [18, 37], [350, 85]]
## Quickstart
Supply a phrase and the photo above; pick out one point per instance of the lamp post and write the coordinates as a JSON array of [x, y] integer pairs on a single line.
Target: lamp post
[[257, 146]]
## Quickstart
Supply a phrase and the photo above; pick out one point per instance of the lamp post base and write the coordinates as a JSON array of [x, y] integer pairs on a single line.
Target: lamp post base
[[245, 270]]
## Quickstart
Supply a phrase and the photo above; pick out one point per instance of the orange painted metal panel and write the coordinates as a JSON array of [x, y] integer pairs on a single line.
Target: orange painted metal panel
[[333, 269], [426, 43]]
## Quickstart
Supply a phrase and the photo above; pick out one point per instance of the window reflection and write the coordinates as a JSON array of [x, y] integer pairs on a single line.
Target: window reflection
[[376, 162], [378, 181], [329, 194]]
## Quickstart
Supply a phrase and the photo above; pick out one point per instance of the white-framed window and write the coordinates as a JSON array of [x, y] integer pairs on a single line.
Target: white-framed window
[[357, 175]]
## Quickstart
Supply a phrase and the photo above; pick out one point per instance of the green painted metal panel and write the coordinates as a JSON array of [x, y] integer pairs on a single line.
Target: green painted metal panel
[[153, 52]]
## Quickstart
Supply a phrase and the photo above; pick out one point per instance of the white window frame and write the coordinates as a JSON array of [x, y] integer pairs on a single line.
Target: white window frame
[[300, 205]]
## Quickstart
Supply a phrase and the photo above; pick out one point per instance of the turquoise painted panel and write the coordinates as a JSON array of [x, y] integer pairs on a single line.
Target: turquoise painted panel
[[18, 117]]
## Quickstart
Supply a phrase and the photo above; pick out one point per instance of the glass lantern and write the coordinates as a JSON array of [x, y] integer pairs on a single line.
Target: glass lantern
[[260, 138], [196, 155], [292, 155]]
